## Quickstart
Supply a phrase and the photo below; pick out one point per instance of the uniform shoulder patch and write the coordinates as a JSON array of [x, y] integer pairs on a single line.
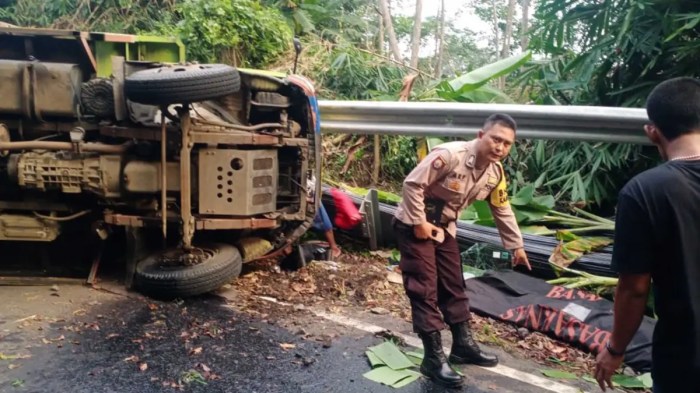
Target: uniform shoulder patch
[[438, 163], [499, 196]]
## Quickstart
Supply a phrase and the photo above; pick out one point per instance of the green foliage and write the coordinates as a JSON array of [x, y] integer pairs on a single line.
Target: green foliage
[[343, 71], [329, 19], [123, 16], [240, 32], [471, 87], [611, 52], [591, 173], [399, 156]]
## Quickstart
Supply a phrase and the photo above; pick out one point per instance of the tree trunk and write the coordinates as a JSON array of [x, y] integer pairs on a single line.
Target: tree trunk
[[494, 15], [377, 142], [508, 35], [500, 82], [415, 38], [389, 26], [525, 25], [439, 41], [380, 39]]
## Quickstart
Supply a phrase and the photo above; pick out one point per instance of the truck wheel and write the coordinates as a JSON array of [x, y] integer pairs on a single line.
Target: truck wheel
[[173, 273], [180, 83]]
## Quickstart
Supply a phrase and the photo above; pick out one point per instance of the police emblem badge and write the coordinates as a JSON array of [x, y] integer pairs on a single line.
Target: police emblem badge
[[438, 163]]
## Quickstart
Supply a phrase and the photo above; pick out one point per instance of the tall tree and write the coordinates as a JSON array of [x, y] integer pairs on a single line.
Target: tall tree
[[508, 34], [525, 25], [496, 28], [389, 26], [381, 36], [440, 39], [416, 36]]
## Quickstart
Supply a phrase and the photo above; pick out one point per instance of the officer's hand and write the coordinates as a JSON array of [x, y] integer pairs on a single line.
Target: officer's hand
[[423, 231], [520, 258]]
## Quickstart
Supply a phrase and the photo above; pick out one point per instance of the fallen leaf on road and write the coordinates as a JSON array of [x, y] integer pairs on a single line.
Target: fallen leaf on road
[[143, 366], [204, 367], [382, 253], [195, 351], [394, 278], [27, 318], [132, 358], [301, 288], [113, 335], [286, 346], [12, 366]]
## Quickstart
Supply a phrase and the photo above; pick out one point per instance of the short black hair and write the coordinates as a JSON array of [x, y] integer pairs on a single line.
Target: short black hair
[[674, 107], [502, 119]]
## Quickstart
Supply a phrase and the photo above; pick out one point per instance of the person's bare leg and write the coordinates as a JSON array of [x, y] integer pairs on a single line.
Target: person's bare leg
[[335, 250]]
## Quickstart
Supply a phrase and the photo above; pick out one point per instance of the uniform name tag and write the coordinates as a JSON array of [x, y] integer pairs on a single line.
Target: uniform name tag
[[454, 185]]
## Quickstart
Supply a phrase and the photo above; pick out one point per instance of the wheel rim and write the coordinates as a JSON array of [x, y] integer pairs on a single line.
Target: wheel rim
[[178, 257]]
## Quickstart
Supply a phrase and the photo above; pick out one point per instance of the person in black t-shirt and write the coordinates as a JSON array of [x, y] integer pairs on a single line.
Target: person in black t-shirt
[[657, 244]]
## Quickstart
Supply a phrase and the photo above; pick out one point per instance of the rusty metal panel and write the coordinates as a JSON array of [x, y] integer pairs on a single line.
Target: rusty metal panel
[[18, 227], [237, 182], [235, 223], [145, 176], [38, 90], [214, 138]]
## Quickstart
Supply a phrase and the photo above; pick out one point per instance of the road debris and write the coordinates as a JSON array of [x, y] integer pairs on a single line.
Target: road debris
[[390, 366]]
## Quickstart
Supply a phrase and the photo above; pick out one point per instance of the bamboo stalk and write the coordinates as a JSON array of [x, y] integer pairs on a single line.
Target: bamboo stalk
[[590, 228], [593, 216]]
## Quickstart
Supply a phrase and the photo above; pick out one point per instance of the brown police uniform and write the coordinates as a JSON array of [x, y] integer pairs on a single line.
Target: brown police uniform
[[447, 182]]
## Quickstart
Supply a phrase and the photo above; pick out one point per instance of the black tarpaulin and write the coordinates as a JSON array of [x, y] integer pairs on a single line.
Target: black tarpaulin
[[574, 316]]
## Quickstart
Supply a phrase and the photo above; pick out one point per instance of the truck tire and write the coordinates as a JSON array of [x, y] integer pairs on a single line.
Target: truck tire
[[180, 83], [97, 98], [154, 277]]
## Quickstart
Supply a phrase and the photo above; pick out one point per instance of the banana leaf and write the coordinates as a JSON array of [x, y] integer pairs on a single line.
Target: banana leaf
[[568, 251], [383, 196], [456, 88]]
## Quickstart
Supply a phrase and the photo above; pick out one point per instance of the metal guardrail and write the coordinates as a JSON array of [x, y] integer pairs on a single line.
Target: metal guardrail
[[573, 123]]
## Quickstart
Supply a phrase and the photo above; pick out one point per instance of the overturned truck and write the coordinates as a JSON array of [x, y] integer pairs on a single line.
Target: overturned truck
[[119, 132]]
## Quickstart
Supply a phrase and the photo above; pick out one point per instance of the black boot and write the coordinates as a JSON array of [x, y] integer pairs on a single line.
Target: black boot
[[465, 350], [434, 364]]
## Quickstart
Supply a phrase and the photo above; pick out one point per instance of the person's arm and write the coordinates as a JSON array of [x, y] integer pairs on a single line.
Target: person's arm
[[632, 257], [630, 304], [506, 223], [433, 167]]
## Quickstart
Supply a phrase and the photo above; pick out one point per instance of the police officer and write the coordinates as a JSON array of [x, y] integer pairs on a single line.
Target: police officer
[[447, 180]]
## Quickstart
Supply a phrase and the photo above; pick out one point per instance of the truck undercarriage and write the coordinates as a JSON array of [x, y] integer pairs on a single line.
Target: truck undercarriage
[[181, 150]]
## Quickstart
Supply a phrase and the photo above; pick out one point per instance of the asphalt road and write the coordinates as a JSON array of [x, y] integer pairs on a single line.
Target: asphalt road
[[78, 339]]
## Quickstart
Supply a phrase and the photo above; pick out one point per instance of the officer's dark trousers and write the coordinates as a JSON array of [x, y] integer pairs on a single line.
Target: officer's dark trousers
[[432, 278]]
